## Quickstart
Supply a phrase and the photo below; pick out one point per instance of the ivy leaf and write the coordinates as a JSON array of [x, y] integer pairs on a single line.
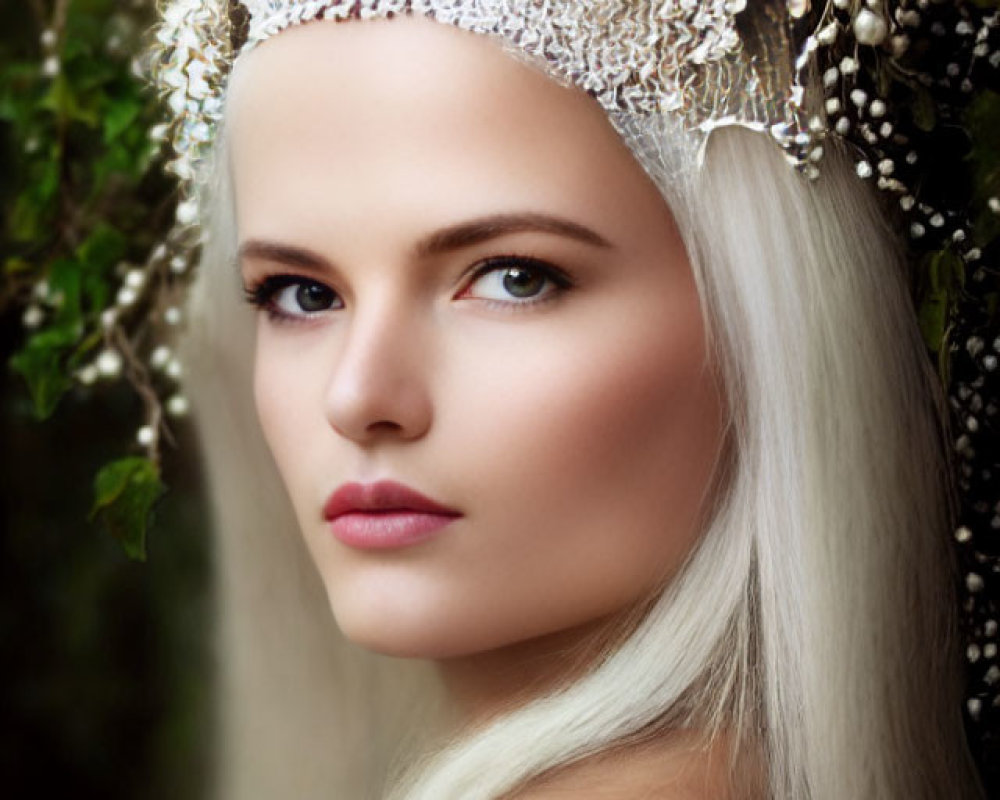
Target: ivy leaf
[[16, 265], [64, 280], [924, 110], [102, 249], [932, 318], [40, 363], [119, 115], [64, 103], [124, 494]]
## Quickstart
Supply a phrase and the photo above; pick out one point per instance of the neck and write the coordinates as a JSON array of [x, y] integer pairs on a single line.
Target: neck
[[483, 686]]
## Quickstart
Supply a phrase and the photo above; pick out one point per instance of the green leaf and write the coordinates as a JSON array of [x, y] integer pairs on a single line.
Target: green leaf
[[24, 223], [124, 494], [65, 103], [64, 279], [16, 265], [923, 110], [119, 116], [40, 363], [102, 249]]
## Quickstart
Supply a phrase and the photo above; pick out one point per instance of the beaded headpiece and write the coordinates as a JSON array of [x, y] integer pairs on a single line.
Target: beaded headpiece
[[902, 82]]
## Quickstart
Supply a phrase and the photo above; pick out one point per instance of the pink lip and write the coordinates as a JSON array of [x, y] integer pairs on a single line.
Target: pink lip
[[384, 515]]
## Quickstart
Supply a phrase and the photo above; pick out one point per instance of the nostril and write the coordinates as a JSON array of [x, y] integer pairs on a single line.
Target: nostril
[[384, 425]]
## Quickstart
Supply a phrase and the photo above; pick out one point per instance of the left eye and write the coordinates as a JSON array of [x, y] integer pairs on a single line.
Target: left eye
[[515, 281], [303, 297]]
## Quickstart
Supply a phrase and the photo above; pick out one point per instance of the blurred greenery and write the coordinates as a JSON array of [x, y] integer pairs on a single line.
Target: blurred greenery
[[106, 679]]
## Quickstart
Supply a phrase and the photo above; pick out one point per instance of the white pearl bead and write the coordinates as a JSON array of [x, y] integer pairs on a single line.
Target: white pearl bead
[[32, 317], [87, 375], [145, 436], [126, 296], [109, 363], [798, 8], [187, 212], [135, 278], [828, 35], [178, 405], [159, 357], [870, 28]]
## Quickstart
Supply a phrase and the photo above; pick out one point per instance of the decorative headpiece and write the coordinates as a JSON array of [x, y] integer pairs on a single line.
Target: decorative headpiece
[[903, 82]]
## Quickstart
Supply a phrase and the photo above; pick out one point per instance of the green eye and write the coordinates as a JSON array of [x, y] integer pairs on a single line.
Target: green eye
[[516, 281], [521, 282], [312, 297]]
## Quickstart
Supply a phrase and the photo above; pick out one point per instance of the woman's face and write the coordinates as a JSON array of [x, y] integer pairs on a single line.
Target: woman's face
[[471, 289]]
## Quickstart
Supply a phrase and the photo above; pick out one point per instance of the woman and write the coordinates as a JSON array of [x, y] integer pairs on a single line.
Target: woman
[[672, 523]]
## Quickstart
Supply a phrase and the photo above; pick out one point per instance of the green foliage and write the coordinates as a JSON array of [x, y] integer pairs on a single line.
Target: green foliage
[[124, 494], [983, 122], [83, 198]]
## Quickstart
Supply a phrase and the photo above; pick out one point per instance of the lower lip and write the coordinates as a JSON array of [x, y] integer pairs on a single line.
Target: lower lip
[[385, 530]]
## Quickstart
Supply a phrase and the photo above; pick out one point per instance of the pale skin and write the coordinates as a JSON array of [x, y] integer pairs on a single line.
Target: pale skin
[[563, 402]]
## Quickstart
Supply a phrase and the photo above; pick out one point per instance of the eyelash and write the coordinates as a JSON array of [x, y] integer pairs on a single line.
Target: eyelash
[[262, 294]]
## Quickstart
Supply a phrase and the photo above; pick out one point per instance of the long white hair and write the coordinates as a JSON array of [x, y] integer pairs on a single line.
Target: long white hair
[[812, 624]]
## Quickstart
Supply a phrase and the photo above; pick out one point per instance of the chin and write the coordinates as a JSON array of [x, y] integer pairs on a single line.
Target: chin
[[394, 625]]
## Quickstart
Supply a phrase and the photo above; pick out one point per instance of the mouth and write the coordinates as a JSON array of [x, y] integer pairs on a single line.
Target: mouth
[[384, 515]]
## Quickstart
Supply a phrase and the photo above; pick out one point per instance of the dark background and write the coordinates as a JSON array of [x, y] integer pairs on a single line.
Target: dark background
[[105, 667]]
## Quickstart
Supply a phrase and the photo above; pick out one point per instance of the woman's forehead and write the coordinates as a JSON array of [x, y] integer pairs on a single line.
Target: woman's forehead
[[408, 113]]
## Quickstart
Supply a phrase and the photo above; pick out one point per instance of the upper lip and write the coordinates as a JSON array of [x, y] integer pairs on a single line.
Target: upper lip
[[380, 496]]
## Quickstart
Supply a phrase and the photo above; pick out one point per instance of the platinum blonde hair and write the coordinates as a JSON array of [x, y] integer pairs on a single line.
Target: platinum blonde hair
[[811, 624]]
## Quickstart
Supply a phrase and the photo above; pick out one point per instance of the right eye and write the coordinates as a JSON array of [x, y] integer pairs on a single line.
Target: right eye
[[291, 297]]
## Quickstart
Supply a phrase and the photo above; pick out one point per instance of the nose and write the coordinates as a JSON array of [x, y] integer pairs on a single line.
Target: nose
[[379, 382]]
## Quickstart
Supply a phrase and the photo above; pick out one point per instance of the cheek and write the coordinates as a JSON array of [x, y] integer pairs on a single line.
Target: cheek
[[590, 462], [286, 388]]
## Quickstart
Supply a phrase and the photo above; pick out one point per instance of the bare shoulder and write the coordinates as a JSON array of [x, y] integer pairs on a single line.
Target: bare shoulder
[[679, 767]]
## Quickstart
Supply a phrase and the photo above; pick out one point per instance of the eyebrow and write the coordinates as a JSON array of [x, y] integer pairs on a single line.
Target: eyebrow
[[454, 237]]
